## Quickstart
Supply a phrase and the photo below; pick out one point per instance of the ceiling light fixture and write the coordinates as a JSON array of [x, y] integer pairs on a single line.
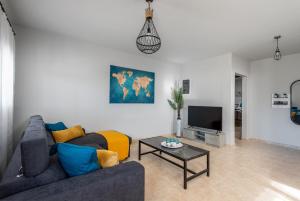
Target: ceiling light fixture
[[148, 41], [277, 54]]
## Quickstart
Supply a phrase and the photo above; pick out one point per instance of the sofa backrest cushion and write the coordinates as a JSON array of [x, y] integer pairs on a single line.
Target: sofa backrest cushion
[[36, 117], [37, 123], [34, 149]]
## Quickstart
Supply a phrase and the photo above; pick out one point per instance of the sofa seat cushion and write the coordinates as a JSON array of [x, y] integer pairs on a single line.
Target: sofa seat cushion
[[123, 182], [12, 184], [90, 138]]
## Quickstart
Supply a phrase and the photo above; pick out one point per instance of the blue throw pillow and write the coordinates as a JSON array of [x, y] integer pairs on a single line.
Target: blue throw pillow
[[77, 160], [55, 127]]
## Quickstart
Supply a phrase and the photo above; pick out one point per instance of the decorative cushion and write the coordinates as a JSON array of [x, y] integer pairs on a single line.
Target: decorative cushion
[[53, 148], [55, 127], [77, 160], [107, 158], [68, 134]]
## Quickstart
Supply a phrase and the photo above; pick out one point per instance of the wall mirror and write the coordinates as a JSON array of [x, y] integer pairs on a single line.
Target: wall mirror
[[295, 102]]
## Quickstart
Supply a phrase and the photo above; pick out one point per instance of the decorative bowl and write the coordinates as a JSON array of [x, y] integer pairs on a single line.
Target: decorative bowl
[[171, 143]]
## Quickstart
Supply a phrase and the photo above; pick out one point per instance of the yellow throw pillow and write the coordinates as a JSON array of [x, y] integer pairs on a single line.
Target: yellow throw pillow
[[107, 158], [68, 134]]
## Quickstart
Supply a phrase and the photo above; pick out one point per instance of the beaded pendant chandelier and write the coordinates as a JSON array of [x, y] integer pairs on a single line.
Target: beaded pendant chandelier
[[148, 41]]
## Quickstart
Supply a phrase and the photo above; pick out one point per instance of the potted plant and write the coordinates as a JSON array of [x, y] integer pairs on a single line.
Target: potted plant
[[177, 104]]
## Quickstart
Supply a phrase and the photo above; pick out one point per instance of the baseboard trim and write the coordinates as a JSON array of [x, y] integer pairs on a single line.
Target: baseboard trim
[[136, 140], [277, 143]]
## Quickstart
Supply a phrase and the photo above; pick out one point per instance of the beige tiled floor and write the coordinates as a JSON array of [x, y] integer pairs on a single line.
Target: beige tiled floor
[[251, 170]]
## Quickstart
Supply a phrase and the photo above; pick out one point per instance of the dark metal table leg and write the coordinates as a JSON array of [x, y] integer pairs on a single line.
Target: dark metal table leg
[[207, 164], [185, 175], [139, 150]]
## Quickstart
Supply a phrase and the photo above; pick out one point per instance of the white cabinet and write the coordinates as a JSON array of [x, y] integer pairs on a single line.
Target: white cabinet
[[197, 134], [189, 134], [215, 139]]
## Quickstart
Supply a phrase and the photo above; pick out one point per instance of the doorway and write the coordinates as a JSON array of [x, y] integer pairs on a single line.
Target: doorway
[[238, 107]]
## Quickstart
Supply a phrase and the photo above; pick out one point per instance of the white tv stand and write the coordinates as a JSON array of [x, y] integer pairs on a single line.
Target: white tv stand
[[208, 136]]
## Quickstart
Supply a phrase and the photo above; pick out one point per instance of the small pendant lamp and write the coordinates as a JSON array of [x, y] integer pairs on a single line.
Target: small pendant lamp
[[277, 54]]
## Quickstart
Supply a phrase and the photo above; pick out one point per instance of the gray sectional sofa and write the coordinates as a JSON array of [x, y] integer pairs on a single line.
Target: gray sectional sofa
[[34, 175]]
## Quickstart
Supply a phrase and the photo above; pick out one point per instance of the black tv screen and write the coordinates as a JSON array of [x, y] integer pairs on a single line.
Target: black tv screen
[[205, 117]]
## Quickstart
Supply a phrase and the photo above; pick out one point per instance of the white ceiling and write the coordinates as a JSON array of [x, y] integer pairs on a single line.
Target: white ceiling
[[190, 29]]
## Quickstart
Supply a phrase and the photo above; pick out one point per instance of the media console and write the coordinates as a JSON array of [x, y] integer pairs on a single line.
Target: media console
[[204, 135]]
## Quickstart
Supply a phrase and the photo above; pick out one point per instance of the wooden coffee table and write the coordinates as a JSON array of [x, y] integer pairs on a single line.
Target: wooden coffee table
[[185, 154]]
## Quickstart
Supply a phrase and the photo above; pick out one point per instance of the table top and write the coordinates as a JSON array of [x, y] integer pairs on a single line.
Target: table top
[[187, 152]]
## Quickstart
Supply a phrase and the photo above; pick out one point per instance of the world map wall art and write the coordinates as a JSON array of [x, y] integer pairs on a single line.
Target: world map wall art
[[131, 86]]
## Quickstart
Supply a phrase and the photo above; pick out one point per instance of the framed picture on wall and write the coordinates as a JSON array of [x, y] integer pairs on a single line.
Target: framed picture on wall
[[131, 86], [186, 86], [280, 100]]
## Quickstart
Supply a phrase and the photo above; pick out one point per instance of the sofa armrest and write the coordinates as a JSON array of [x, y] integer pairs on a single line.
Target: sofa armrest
[[124, 182]]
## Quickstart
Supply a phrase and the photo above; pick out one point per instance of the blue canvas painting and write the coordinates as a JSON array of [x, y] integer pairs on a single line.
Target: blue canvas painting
[[131, 86]]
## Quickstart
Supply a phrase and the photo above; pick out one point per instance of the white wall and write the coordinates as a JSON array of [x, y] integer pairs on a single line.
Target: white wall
[[240, 65], [67, 80], [269, 76], [211, 86]]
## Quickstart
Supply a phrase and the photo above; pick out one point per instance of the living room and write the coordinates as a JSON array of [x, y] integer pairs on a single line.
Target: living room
[[64, 62]]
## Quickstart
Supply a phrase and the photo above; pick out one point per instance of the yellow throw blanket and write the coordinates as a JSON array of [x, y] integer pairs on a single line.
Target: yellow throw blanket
[[117, 142]]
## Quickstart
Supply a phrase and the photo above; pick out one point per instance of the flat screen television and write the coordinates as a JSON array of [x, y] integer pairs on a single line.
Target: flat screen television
[[205, 117]]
